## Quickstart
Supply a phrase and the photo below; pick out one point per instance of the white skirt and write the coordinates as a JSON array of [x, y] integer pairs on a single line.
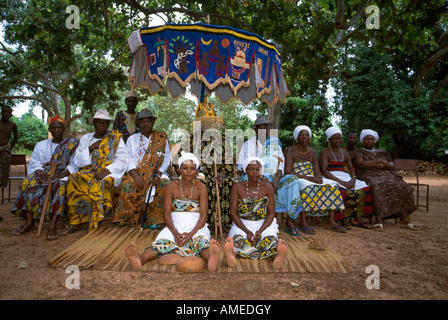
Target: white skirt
[[253, 226], [344, 176], [184, 222]]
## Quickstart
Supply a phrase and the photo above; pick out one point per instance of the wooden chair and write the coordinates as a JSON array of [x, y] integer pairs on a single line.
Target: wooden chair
[[16, 160], [411, 165]]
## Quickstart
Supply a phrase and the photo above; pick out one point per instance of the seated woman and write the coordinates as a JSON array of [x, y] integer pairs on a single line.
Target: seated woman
[[303, 192], [391, 195], [336, 165], [254, 230], [186, 232]]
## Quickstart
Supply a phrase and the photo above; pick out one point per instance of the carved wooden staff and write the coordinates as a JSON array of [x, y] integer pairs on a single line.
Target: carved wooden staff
[[280, 160], [218, 222], [47, 197]]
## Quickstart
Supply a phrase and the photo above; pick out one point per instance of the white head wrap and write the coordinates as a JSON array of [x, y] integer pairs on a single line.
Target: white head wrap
[[368, 132], [332, 131], [249, 160], [300, 128], [188, 156]]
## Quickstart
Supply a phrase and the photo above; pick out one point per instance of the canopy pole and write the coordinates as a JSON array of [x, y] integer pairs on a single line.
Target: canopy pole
[[201, 99]]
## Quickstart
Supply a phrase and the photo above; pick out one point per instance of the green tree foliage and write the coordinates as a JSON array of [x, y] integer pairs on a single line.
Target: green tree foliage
[[30, 130], [310, 112], [84, 68], [380, 97], [53, 63]]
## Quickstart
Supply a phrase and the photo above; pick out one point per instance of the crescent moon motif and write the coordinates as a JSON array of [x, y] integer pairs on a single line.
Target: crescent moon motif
[[206, 42]]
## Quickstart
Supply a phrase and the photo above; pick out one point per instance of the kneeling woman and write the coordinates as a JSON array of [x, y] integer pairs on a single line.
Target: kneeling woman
[[185, 213], [254, 230]]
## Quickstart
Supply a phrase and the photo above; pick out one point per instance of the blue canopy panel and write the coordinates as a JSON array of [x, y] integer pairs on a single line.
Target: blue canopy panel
[[228, 61]]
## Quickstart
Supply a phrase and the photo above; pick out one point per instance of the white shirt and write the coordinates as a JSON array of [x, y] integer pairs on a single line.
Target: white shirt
[[42, 153], [117, 168], [137, 145], [253, 148]]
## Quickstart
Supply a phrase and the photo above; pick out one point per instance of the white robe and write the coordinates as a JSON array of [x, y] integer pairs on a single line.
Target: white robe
[[117, 168], [136, 151], [42, 153], [254, 148]]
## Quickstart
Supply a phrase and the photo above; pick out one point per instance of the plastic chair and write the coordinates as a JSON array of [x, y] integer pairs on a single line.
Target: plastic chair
[[411, 165], [16, 160]]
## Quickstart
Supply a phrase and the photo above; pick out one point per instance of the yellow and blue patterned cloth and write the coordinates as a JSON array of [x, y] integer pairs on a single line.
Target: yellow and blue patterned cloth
[[296, 195]]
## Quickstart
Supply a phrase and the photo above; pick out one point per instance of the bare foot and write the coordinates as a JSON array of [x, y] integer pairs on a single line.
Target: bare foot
[[133, 256], [229, 253], [282, 251], [214, 250]]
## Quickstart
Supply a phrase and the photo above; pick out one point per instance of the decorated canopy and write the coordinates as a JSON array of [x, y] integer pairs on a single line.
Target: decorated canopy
[[225, 60]]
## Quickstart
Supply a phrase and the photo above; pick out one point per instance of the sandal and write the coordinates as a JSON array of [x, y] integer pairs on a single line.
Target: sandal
[[22, 230], [68, 230], [337, 228], [348, 225], [378, 227], [309, 231], [293, 231], [53, 236], [409, 225], [362, 225]]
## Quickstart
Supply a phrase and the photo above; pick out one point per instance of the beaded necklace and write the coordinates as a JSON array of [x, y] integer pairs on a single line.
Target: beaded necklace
[[340, 150], [141, 147], [247, 189], [182, 191], [300, 154]]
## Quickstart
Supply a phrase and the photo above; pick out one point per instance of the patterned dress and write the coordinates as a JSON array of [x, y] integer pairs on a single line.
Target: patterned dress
[[131, 200], [391, 195], [296, 195], [89, 199], [209, 180], [185, 215], [358, 201], [33, 189], [253, 213]]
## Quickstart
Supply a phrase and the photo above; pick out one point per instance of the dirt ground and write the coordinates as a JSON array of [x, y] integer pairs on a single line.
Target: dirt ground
[[412, 266]]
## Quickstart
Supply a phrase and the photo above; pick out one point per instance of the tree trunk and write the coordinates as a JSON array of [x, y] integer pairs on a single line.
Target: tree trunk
[[274, 114], [67, 116]]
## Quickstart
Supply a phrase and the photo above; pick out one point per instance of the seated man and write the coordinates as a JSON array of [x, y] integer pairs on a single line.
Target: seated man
[[266, 147], [352, 141], [149, 158], [101, 159], [33, 189]]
